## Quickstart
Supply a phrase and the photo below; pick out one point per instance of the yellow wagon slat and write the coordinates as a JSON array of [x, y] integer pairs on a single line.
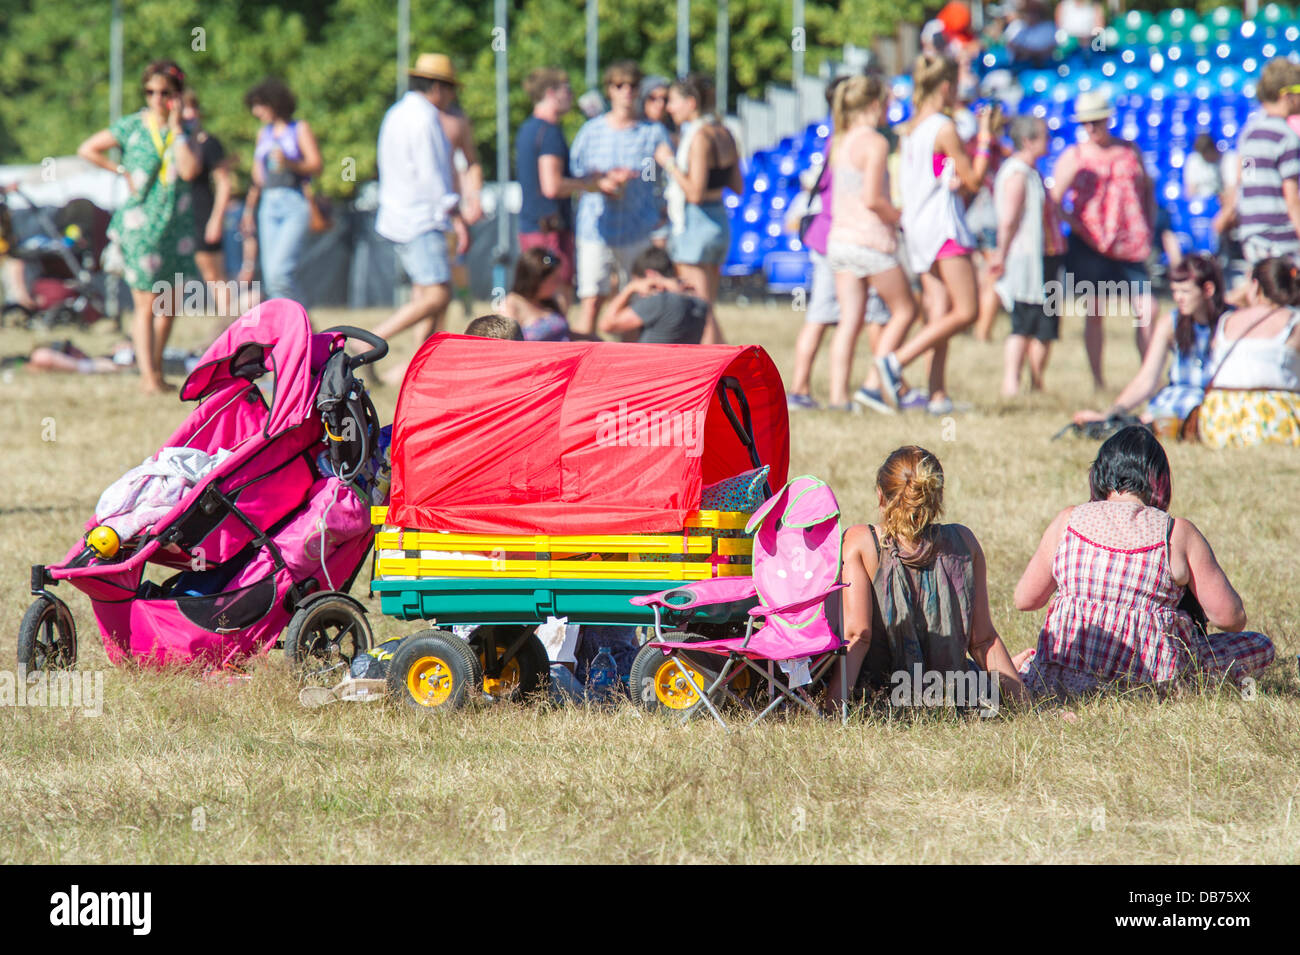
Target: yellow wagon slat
[[723, 520], [542, 569]]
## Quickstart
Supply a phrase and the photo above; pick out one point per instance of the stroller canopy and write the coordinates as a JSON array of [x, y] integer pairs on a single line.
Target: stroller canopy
[[274, 336], [575, 437]]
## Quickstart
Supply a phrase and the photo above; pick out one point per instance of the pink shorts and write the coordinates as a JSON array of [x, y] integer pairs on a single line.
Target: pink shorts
[[951, 249]]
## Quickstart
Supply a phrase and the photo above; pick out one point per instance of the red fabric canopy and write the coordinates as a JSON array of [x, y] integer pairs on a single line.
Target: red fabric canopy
[[574, 437]]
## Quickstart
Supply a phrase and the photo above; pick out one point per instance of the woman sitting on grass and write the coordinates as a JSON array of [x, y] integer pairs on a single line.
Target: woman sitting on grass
[[1254, 395], [1119, 566], [533, 301], [918, 592], [1196, 284]]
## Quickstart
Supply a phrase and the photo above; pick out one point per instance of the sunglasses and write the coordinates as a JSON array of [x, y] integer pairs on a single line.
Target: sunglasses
[[152, 92], [657, 98], [1291, 89], [621, 86]]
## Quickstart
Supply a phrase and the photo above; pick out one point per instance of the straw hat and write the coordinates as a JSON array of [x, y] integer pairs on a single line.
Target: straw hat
[[1092, 105], [435, 66]]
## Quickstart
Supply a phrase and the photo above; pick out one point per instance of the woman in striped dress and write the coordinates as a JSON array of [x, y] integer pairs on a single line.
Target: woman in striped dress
[[1116, 570]]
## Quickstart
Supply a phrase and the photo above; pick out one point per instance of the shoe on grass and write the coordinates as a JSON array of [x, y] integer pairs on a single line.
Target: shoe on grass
[[873, 399], [891, 377], [915, 400], [795, 402], [940, 406], [848, 407]]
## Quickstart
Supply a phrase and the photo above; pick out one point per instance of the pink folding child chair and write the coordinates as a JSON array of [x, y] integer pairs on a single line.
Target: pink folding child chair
[[797, 558]]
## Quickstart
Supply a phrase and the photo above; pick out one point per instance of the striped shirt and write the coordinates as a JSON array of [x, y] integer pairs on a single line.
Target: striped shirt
[[1270, 154], [599, 148]]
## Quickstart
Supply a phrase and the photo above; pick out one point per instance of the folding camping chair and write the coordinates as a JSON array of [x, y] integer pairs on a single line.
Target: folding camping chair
[[797, 559]]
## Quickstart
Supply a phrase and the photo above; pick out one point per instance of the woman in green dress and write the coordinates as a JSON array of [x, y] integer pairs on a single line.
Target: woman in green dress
[[154, 228]]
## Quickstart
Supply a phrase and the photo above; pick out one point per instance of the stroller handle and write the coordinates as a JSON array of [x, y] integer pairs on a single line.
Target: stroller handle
[[378, 347]]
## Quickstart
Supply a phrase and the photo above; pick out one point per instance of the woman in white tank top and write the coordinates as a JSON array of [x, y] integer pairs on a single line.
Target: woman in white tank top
[[862, 245], [933, 167], [1254, 394]]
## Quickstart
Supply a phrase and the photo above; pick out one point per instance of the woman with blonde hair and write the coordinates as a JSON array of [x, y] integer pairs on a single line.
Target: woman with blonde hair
[[918, 589], [862, 245], [939, 243]]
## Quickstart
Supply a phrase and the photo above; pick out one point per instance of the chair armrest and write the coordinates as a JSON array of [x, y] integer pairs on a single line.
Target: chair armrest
[[701, 593], [804, 604]]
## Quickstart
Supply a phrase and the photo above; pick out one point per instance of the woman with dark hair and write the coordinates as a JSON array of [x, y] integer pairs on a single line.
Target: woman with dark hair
[[1197, 287], [705, 163], [1254, 396], [532, 301], [918, 589], [284, 161], [1116, 570], [154, 228]]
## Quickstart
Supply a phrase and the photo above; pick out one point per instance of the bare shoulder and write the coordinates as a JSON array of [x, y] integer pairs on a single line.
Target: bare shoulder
[[860, 544]]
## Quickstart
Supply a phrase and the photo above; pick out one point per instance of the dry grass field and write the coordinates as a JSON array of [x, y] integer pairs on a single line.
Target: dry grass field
[[180, 770]]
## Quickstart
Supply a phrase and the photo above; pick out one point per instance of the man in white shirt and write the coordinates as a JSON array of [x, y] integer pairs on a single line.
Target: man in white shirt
[[419, 199]]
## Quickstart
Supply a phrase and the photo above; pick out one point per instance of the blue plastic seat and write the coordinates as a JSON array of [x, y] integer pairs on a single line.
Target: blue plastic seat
[[786, 271]]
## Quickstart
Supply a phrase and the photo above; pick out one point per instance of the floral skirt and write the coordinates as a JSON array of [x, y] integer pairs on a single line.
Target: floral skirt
[[1241, 419]]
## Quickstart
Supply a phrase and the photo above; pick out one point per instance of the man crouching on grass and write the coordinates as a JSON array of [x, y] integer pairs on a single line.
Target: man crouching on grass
[[656, 307]]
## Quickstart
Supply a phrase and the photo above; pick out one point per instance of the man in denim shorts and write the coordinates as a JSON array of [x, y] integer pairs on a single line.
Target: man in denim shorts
[[418, 198]]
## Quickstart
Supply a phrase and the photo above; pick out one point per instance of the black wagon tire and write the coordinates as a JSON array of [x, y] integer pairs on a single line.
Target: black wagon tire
[[432, 672], [528, 671], [47, 637], [324, 637]]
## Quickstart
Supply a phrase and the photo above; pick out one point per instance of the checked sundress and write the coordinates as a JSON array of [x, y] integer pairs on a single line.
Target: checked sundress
[[1114, 618]]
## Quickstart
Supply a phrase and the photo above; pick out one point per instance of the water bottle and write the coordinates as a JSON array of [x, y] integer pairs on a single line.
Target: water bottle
[[602, 675]]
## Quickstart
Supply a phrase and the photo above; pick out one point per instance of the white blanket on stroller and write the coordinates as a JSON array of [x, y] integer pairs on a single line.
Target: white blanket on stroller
[[145, 493]]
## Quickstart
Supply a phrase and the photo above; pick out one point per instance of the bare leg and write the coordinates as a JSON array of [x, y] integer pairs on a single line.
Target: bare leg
[[805, 353], [872, 381], [1093, 336], [585, 326], [1013, 364], [428, 304], [958, 278], [1038, 354], [852, 294], [214, 276], [142, 340], [893, 288], [990, 305], [423, 313], [1144, 322]]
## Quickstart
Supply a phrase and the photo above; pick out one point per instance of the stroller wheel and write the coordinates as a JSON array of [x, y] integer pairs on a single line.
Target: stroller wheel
[[432, 671], [518, 676], [324, 637], [47, 638]]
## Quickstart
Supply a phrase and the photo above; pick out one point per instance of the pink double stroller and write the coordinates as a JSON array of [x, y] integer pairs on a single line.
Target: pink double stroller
[[272, 534], [796, 579]]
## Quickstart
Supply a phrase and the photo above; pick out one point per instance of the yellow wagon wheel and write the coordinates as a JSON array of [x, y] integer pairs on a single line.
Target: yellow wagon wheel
[[671, 686], [430, 673]]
